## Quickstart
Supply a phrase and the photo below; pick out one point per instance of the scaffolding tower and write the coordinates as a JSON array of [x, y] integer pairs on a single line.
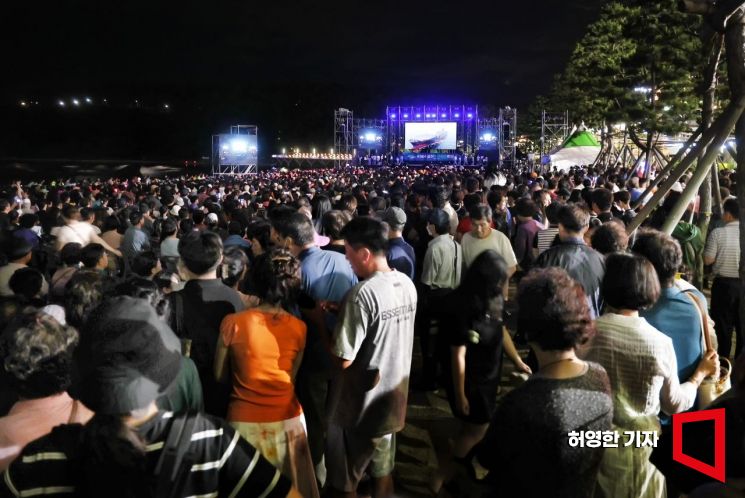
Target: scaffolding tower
[[345, 135], [507, 137], [554, 130]]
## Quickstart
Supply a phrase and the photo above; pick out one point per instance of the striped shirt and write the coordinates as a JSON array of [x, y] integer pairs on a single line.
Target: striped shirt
[[642, 369], [724, 247], [226, 465], [545, 238]]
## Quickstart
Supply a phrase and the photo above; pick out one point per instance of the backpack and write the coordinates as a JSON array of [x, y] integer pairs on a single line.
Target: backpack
[[691, 243]]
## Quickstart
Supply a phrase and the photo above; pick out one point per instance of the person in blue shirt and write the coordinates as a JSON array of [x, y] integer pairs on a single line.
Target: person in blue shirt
[[675, 314], [235, 236], [400, 254], [326, 277]]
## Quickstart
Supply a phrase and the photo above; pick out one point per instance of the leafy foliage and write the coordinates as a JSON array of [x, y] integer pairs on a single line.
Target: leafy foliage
[[639, 63]]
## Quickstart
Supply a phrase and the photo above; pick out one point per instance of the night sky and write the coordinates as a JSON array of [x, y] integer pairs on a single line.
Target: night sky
[[287, 65]]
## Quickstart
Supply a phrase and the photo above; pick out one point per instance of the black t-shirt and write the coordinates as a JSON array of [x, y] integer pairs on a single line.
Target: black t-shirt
[[483, 340], [196, 313]]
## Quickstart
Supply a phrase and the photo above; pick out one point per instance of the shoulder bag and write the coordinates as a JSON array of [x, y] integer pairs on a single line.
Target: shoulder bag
[[710, 389]]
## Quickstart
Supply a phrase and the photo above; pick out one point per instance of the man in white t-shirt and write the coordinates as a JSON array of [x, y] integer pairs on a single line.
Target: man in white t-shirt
[[373, 344], [78, 231], [483, 237]]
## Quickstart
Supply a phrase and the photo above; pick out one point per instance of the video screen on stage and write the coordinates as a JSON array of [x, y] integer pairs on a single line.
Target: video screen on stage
[[238, 150], [425, 137]]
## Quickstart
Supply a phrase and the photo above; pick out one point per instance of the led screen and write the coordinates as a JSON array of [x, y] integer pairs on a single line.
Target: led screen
[[425, 137], [238, 150]]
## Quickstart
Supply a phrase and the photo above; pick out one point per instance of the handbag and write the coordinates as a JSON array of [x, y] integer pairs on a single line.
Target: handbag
[[710, 389]]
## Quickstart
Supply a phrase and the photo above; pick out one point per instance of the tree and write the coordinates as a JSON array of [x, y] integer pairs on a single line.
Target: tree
[[639, 63]]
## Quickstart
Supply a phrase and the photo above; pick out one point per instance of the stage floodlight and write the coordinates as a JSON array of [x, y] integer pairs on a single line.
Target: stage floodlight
[[418, 116], [487, 137], [75, 102], [443, 115], [370, 137], [456, 115], [469, 115], [239, 146], [406, 116], [61, 103], [393, 116], [88, 100]]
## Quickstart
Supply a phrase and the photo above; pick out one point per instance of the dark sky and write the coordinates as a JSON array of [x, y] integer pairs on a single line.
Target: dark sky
[[275, 54]]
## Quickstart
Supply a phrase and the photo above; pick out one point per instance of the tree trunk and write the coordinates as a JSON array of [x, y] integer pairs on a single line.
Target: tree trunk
[[712, 151], [723, 124], [707, 116], [670, 165], [735, 48]]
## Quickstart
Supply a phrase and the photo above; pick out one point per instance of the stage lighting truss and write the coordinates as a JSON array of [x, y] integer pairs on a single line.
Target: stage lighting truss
[[554, 130]]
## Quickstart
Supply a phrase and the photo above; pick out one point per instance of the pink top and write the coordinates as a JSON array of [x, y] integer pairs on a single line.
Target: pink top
[[31, 419]]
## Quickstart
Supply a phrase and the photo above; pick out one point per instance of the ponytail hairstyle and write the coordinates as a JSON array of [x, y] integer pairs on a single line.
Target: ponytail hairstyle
[[233, 266], [276, 279], [112, 460]]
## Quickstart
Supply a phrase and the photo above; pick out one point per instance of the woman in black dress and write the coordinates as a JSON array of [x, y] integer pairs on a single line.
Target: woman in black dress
[[476, 337]]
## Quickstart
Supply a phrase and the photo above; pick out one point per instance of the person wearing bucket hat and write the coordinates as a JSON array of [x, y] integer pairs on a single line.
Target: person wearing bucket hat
[[127, 356]]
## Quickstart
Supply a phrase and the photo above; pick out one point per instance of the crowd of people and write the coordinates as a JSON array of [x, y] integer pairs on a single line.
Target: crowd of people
[[254, 336]]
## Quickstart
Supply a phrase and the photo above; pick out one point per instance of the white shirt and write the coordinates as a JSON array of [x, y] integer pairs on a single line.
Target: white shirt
[[724, 246], [75, 231], [443, 263]]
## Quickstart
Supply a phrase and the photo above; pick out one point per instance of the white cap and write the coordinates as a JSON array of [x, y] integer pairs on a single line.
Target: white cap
[[212, 218], [175, 209]]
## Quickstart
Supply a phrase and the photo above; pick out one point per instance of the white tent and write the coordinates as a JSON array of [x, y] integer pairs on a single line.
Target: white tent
[[581, 148]]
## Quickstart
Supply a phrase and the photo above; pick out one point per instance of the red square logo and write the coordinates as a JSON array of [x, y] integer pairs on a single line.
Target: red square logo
[[718, 470]]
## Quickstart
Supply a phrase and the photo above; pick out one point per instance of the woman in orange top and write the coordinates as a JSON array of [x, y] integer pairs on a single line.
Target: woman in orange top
[[260, 349]]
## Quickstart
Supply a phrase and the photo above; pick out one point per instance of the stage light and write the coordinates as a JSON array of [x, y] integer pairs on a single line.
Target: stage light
[[166, 106], [239, 146], [456, 115], [443, 115], [61, 103], [487, 137], [23, 103], [284, 151], [469, 115], [393, 116], [406, 116], [331, 150], [75, 102], [225, 147], [418, 116], [370, 137], [88, 100]]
